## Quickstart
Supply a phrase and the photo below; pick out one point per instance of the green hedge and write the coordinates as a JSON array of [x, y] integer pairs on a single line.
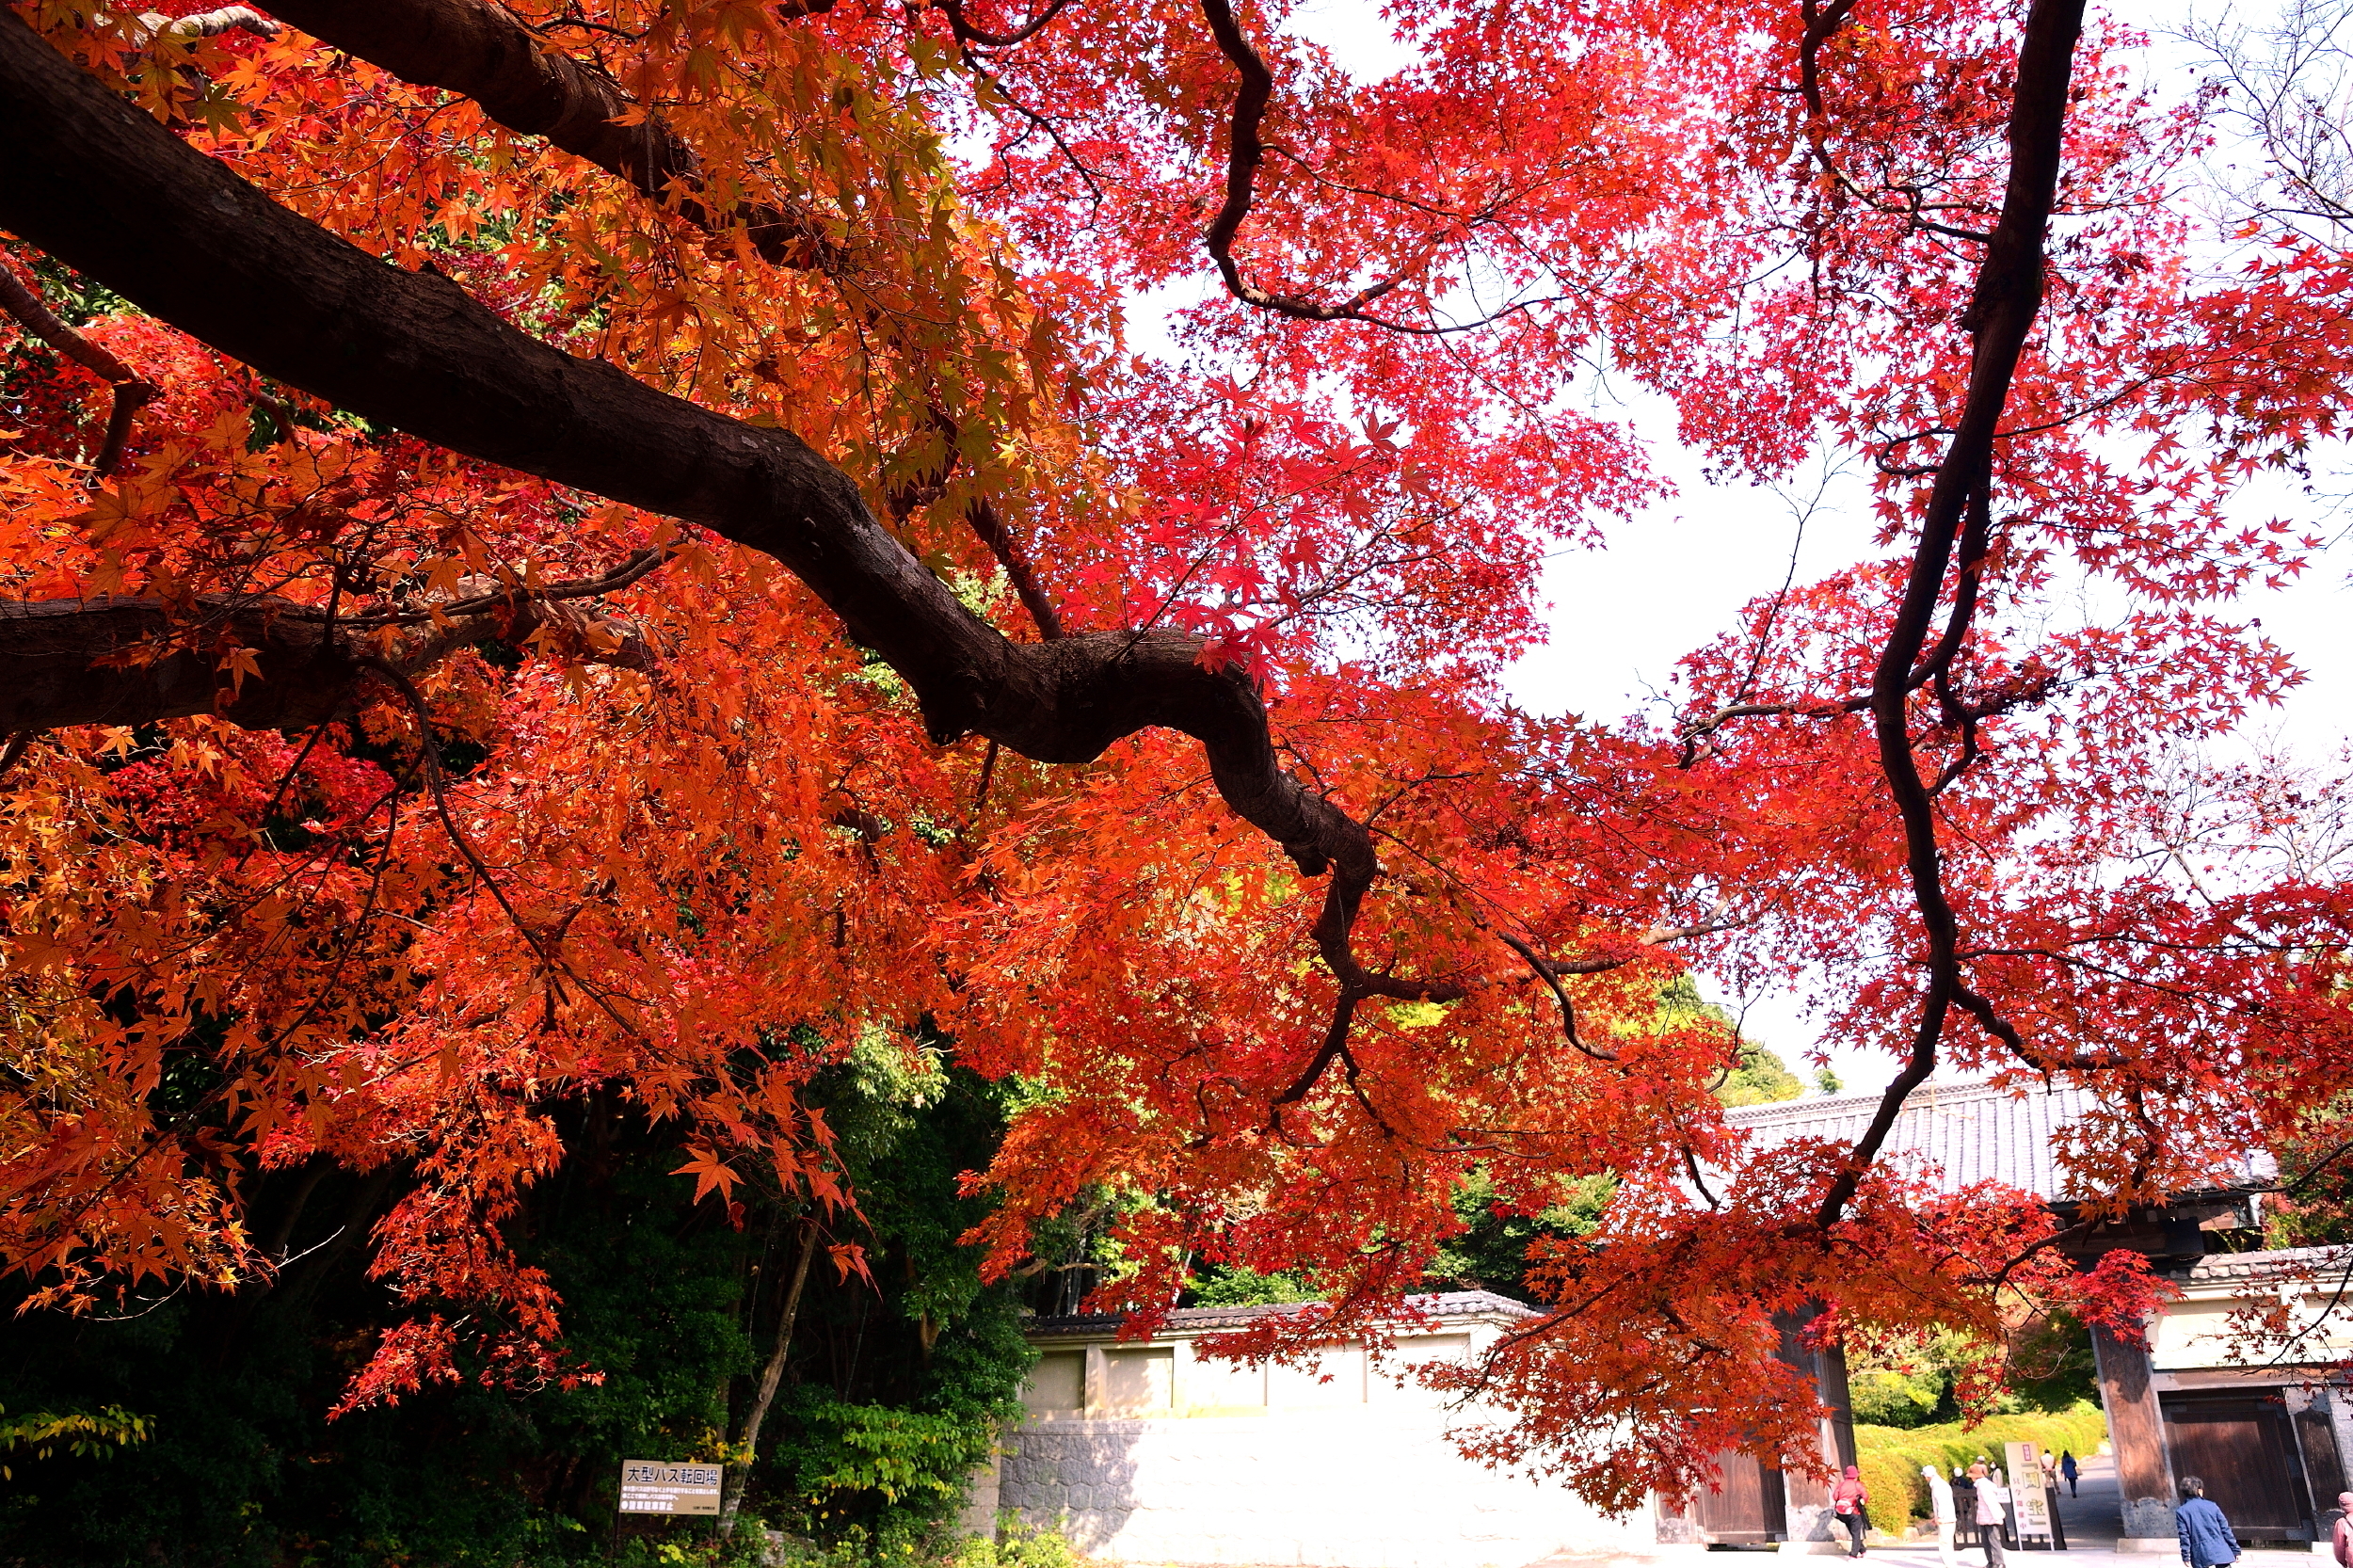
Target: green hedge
[[1890, 1456]]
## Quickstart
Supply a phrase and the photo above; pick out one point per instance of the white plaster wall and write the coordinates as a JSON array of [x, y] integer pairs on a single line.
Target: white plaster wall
[[1371, 1487], [2196, 1334]]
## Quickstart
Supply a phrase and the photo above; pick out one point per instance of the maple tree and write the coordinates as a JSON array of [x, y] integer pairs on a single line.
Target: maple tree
[[627, 547]]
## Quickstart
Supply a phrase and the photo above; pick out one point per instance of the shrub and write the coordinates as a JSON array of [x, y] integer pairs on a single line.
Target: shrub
[[893, 1476], [1890, 1458], [1017, 1546]]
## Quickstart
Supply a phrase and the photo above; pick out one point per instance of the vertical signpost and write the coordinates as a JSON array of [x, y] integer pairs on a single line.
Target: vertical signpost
[[2030, 1503], [656, 1486]]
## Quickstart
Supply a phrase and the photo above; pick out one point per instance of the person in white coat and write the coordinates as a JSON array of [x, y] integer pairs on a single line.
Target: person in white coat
[[1941, 1510], [1992, 1496]]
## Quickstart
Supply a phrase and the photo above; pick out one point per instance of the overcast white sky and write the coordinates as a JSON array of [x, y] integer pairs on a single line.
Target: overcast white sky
[[1676, 576]]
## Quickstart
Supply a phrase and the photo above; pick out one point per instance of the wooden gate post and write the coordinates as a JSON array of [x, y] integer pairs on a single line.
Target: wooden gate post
[[2144, 1473], [1809, 1513]]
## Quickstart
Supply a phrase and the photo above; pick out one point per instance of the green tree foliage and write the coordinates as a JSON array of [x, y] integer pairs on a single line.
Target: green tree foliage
[[1760, 1079], [1891, 1459], [1239, 1287], [892, 1383], [896, 1390], [1883, 1399], [1074, 1251], [1492, 1254], [2314, 1207], [84, 1434], [1756, 1077], [2045, 1370]]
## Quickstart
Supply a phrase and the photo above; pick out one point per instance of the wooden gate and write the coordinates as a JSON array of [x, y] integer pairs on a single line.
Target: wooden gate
[[2241, 1444], [1751, 1511]]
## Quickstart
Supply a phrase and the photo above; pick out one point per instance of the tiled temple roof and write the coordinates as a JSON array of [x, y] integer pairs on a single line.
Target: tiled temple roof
[[1449, 1306], [2221, 1268], [1971, 1131]]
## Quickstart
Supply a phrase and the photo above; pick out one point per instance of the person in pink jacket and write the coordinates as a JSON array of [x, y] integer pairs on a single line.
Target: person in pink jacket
[[1852, 1503], [2341, 1539]]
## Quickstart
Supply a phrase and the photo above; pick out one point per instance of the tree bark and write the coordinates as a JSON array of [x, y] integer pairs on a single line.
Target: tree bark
[[107, 190], [770, 1375], [485, 51], [56, 659], [52, 668], [2002, 310]]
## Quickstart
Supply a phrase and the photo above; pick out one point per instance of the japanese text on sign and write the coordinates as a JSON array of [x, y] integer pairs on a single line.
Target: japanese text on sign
[[2025, 1490], [651, 1486]]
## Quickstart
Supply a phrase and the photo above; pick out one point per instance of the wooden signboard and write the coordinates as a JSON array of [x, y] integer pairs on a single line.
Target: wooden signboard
[[656, 1486], [2030, 1506]]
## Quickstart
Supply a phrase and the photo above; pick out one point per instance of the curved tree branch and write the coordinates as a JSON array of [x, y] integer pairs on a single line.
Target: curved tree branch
[[1244, 152], [131, 390], [98, 184], [2007, 295], [979, 38], [260, 661], [482, 51]]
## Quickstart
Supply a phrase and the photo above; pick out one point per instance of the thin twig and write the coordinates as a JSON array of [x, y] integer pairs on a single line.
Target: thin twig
[[437, 785], [129, 390]]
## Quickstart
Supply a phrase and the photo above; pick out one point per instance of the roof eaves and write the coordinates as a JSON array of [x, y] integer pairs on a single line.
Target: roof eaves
[[1453, 1306]]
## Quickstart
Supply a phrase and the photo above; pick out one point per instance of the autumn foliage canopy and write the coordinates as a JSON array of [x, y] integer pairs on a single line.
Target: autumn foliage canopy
[[642, 543]]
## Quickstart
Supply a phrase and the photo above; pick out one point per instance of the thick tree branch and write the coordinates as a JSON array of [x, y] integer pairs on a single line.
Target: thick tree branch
[[102, 186], [126, 661], [229, 19], [131, 661], [484, 52], [2008, 295]]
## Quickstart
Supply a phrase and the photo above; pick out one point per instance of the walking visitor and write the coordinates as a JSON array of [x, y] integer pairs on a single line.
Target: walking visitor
[[2341, 1539], [1941, 1510], [1991, 1494], [2206, 1538], [1849, 1500], [2070, 1469]]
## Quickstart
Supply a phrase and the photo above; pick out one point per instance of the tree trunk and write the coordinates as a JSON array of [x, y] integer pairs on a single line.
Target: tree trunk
[[740, 1474]]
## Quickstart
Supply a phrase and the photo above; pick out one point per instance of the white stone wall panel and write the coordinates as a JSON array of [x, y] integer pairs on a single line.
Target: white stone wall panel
[[1361, 1488]]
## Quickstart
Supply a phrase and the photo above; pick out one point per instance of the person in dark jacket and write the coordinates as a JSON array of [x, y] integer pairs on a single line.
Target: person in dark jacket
[[2206, 1538], [2069, 1469]]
